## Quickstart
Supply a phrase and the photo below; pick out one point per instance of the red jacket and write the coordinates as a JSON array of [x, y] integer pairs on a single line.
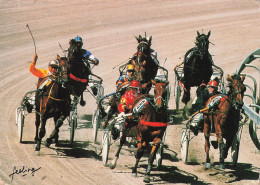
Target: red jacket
[[126, 100]]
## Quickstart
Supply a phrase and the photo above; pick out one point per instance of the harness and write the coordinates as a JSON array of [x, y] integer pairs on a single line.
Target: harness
[[78, 79], [50, 97]]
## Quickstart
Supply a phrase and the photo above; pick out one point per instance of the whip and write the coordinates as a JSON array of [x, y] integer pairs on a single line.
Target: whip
[[32, 38]]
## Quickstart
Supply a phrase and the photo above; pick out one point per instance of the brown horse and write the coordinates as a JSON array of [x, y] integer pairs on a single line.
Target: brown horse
[[223, 119], [145, 67], [54, 102], [150, 126]]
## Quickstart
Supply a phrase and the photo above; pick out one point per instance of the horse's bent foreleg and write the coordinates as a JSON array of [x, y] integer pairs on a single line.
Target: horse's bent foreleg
[[55, 133], [122, 142], [82, 101]]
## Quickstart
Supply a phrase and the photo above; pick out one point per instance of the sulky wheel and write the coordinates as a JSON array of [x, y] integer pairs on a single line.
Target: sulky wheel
[[235, 149], [20, 123], [185, 136], [95, 124], [105, 146]]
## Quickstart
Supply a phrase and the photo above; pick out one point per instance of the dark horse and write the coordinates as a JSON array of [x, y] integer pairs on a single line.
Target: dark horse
[[145, 66], [79, 71], [54, 102], [151, 125], [224, 118], [197, 65]]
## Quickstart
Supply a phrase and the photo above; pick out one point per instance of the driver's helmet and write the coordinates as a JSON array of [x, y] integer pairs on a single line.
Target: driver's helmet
[[130, 67], [135, 84], [54, 63], [78, 41], [213, 84]]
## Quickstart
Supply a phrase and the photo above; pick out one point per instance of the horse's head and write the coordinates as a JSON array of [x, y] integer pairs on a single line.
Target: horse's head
[[142, 57], [160, 93], [63, 68], [202, 42], [74, 52], [237, 89]]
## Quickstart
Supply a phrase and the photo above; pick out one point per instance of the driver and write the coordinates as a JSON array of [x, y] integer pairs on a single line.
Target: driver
[[42, 73], [128, 77], [127, 100], [203, 95]]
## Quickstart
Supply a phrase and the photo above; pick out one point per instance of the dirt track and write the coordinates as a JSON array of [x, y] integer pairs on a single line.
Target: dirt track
[[108, 31]]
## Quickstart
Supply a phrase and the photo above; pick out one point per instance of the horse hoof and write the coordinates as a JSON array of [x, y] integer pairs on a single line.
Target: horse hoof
[[82, 103], [112, 166], [36, 153], [147, 180], [214, 144], [48, 142], [207, 165], [221, 166]]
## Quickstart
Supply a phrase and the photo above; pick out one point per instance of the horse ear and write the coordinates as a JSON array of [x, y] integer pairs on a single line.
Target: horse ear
[[229, 78], [198, 33], [209, 33], [58, 57], [243, 78], [139, 38], [150, 41]]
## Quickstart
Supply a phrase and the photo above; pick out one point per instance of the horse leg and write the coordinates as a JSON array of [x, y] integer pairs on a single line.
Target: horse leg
[[55, 133], [222, 149], [186, 95], [37, 124], [154, 149], [82, 101], [41, 135], [206, 131], [222, 146], [122, 141], [139, 154]]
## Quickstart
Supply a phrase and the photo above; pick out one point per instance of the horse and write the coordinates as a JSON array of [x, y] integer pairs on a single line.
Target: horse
[[79, 71], [197, 65], [150, 126], [145, 66], [54, 102], [224, 118]]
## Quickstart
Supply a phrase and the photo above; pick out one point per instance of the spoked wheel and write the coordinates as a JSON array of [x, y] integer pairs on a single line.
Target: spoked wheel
[[73, 125], [158, 156], [185, 136], [105, 146], [95, 124], [20, 123], [254, 131], [235, 149], [177, 93]]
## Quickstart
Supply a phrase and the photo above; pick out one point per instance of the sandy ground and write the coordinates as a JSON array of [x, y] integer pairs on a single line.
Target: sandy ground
[[108, 30]]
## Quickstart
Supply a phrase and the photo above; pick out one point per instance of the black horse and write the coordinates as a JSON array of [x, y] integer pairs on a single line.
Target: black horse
[[79, 71], [197, 65], [53, 102]]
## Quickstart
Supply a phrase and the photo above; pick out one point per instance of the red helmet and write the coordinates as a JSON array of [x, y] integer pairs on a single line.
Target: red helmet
[[213, 83], [135, 84]]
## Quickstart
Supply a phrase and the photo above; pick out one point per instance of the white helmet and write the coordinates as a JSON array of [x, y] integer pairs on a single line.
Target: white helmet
[[54, 63]]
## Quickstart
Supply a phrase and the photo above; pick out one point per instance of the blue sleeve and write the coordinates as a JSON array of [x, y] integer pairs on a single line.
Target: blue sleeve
[[88, 55]]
